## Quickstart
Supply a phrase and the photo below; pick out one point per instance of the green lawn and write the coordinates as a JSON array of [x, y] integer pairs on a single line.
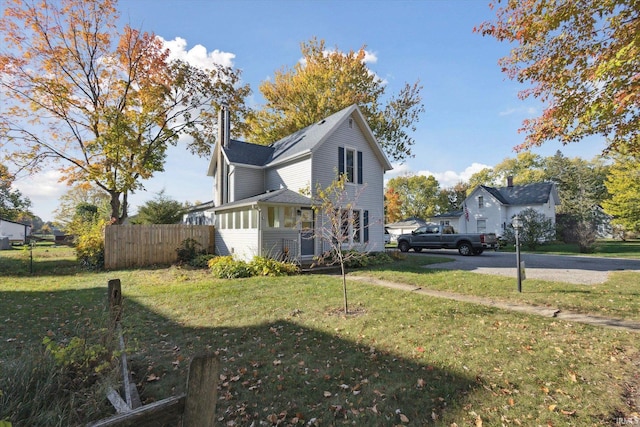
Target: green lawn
[[289, 357]]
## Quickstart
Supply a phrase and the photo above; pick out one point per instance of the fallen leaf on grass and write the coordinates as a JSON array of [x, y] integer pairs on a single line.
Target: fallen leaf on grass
[[152, 377], [327, 394], [404, 418]]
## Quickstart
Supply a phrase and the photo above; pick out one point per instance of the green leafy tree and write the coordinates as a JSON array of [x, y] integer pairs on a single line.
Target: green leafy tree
[[581, 59], [418, 195], [451, 199], [102, 103], [581, 190], [160, 210], [536, 229], [623, 183], [76, 196], [525, 168], [485, 176], [325, 82], [12, 202]]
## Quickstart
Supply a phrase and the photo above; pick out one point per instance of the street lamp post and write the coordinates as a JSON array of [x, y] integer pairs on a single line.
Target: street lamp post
[[517, 224]]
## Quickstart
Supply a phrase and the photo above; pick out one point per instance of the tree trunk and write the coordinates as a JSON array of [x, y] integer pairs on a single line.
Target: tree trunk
[[118, 210], [344, 288]]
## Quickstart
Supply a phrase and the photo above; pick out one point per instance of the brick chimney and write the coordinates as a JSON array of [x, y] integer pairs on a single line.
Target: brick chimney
[[224, 125], [510, 181]]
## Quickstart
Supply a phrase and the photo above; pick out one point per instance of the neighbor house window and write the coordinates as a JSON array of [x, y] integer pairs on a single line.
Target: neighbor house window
[[254, 218], [350, 163], [482, 225], [356, 226], [237, 220], [480, 202]]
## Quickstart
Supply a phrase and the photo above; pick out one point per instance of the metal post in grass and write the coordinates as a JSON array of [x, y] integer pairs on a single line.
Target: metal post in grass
[[517, 224]]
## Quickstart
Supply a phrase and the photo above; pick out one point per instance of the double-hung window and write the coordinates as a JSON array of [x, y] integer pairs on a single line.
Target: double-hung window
[[350, 162]]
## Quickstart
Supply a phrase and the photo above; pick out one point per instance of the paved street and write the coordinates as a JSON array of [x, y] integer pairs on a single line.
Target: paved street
[[571, 269]]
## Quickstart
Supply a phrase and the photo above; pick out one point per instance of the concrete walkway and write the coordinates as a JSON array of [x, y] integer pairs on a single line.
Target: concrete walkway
[[620, 324]]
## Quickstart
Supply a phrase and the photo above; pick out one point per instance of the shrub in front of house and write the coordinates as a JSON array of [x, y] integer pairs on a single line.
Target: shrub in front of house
[[189, 249], [201, 261], [354, 259], [263, 266], [226, 267]]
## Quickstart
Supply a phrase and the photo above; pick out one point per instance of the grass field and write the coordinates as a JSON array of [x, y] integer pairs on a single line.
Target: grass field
[[289, 356]]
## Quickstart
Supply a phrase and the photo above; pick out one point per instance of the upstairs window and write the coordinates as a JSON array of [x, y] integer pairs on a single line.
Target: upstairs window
[[480, 202], [350, 162]]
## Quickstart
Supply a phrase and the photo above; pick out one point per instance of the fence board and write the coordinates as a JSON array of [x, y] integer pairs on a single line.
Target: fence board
[[127, 246]]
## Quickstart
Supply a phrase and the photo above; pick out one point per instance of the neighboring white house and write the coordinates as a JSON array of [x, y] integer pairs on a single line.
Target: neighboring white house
[[491, 209], [402, 227], [15, 231], [263, 195], [199, 214]]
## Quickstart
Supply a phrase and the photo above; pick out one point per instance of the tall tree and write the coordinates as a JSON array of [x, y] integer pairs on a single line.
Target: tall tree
[[12, 202], [450, 199], [160, 210], [581, 59], [418, 195], [325, 82], [623, 183], [102, 103], [77, 195], [525, 168], [392, 206]]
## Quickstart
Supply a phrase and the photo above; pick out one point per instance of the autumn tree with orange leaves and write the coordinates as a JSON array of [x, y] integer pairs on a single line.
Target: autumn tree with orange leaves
[[582, 59], [103, 103]]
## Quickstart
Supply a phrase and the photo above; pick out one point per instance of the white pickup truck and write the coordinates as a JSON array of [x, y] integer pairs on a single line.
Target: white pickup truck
[[434, 236]]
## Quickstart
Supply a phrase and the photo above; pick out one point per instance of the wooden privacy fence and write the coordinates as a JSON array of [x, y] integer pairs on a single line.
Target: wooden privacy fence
[[144, 245]]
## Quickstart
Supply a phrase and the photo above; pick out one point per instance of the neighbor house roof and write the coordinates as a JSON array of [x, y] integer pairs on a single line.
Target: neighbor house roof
[[450, 214], [527, 194], [408, 222], [283, 196]]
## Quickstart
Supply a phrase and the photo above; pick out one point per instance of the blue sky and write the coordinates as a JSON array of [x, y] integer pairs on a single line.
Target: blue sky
[[472, 110]]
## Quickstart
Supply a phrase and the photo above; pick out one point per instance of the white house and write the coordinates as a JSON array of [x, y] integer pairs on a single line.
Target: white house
[[404, 226], [263, 195], [491, 209], [16, 232]]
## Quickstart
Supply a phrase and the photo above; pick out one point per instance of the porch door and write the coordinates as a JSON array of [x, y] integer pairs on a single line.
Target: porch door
[[307, 241]]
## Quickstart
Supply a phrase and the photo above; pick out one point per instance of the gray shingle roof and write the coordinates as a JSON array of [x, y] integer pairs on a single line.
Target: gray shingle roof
[[282, 196], [291, 146], [528, 194], [246, 153]]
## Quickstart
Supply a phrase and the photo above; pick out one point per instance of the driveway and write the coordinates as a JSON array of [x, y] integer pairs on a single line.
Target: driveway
[[571, 269]]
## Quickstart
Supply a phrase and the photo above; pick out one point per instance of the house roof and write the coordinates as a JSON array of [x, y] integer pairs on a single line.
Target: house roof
[[527, 194], [299, 143], [408, 222], [14, 222], [450, 214], [283, 196]]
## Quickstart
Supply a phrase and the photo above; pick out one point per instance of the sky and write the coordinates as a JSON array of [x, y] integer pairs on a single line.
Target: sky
[[472, 110]]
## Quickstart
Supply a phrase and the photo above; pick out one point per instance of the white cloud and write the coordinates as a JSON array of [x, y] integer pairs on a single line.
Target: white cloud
[[446, 179], [529, 111], [44, 190], [197, 55]]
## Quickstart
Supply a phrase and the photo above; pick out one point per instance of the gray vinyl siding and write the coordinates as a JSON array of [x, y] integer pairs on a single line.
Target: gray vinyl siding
[[274, 240], [325, 166], [294, 175], [246, 182]]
